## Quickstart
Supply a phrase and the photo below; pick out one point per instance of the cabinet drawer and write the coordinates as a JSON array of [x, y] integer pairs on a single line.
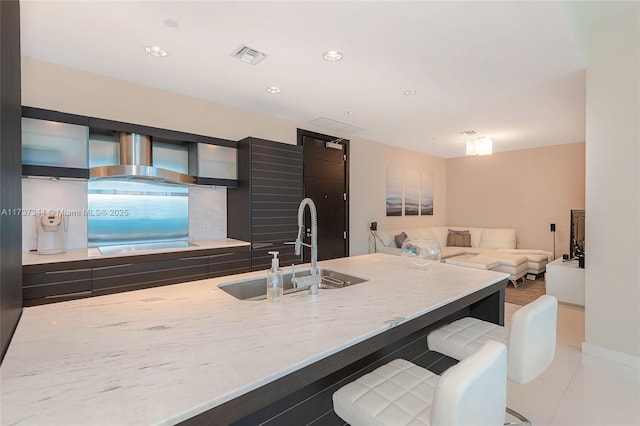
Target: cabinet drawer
[[228, 264], [56, 286], [261, 259], [134, 276]]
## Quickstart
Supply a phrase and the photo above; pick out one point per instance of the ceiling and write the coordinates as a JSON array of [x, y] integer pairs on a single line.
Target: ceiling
[[510, 70]]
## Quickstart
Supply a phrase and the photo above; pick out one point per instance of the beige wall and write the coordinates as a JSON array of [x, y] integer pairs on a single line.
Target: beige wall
[[612, 292], [527, 190], [56, 87], [368, 192]]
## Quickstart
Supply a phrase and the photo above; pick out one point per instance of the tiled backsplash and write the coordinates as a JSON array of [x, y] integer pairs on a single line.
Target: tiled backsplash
[[45, 194], [207, 210]]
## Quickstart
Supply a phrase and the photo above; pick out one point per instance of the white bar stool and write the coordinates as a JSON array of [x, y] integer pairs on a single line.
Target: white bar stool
[[531, 340], [400, 393]]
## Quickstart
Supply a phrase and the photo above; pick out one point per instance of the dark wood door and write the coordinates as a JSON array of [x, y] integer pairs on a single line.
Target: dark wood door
[[325, 182]]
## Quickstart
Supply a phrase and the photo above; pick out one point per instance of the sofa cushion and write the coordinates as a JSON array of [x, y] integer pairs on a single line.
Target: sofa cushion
[[530, 252], [440, 232], [476, 234], [399, 239], [425, 233], [414, 234], [495, 238], [506, 259], [459, 238], [452, 251]]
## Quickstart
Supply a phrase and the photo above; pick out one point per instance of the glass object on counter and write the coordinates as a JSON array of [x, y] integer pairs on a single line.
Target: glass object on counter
[[49, 143], [422, 254]]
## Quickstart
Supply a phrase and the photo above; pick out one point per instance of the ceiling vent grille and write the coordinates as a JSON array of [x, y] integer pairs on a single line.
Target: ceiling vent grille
[[249, 55], [338, 126]]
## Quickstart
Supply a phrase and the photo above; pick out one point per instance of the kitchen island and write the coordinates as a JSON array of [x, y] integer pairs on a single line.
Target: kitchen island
[[172, 353]]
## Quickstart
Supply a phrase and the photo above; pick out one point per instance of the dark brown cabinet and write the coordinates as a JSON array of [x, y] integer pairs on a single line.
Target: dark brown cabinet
[[229, 263], [109, 127], [135, 276], [57, 282], [264, 207], [56, 286]]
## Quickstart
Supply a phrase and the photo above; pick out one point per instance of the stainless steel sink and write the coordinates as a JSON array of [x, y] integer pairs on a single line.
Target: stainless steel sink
[[256, 288]]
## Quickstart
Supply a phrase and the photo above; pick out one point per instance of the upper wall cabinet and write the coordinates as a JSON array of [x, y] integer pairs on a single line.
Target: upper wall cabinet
[[49, 143], [52, 148], [58, 144], [212, 163]]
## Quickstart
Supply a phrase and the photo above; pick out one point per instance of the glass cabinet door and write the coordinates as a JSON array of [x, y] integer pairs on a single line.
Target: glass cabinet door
[[216, 161], [49, 143]]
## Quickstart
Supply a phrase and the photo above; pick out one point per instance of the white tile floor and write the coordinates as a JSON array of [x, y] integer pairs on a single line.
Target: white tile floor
[[577, 389]]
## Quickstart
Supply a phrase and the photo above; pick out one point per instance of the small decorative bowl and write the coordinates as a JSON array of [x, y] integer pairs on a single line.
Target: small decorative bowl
[[422, 254]]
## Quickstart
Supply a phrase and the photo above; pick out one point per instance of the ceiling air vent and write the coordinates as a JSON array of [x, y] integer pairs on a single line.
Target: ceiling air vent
[[248, 55], [335, 125]]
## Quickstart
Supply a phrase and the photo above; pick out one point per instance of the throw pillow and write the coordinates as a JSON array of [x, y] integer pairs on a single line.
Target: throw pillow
[[459, 238], [400, 239]]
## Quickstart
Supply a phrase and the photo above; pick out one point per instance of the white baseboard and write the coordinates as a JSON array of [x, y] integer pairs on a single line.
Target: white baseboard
[[611, 355]]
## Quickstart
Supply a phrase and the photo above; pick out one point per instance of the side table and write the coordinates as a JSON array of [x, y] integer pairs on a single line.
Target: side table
[[565, 281]]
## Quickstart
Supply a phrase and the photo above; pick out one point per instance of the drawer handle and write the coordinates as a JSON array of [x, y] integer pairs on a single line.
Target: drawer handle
[[67, 271], [257, 246], [124, 265], [194, 258], [80, 293], [221, 254]]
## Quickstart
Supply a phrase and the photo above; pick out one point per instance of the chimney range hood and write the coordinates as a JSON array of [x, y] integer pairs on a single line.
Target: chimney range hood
[[136, 163]]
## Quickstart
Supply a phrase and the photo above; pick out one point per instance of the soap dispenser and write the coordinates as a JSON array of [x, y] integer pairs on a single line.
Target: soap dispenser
[[275, 280]]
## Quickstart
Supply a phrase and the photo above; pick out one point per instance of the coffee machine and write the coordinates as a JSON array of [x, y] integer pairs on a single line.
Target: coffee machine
[[52, 230]]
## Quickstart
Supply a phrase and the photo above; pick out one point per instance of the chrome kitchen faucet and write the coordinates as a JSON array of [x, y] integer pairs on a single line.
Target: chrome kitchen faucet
[[312, 281]]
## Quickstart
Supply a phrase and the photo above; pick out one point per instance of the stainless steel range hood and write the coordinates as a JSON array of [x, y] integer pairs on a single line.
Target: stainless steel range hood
[[136, 163]]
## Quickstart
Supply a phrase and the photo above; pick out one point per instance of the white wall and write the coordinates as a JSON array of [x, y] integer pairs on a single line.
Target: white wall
[[612, 273]]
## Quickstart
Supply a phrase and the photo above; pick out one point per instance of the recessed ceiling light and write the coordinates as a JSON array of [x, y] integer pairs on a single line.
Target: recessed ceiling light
[[409, 92], [332, 56], [274, 89], [156, 51], [348, 113]]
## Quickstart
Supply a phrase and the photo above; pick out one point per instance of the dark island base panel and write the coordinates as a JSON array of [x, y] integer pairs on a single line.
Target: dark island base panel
[[304, 396], [313, 403]]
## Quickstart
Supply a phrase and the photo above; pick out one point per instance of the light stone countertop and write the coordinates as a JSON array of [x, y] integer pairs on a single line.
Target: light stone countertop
[[162, 355], [32, 258]]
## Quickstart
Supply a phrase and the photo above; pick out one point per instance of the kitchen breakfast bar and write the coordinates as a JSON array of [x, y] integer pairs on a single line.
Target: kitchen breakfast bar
[[192, 353]]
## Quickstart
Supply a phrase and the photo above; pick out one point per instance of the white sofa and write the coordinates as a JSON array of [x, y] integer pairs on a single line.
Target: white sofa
[[496, 243]]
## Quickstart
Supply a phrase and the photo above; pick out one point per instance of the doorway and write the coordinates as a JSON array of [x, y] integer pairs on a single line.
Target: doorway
[[326, 182]]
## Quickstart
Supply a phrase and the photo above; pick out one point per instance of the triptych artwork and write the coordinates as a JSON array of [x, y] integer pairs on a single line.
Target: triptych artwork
[[409, 192]]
